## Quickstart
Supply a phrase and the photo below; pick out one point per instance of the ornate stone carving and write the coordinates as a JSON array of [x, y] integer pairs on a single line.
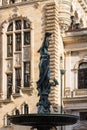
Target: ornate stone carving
[[64, 14], [83, 4]]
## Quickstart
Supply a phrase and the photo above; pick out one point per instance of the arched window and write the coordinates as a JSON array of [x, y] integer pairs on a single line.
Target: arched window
[[82, 76], [15, 111], [25, 108], [18, 55]]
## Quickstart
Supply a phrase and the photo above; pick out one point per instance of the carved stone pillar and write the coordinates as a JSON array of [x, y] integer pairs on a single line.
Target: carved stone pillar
[[68, 69], [0, 2], [76, 79], [32, 58]]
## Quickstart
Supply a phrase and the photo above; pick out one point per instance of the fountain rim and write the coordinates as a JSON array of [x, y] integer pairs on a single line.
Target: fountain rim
[[43, 119]]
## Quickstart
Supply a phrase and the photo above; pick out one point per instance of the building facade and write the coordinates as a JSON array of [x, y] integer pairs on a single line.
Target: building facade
[[23, 24]]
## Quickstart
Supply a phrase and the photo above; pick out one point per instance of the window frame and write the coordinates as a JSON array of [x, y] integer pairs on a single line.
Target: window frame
[[82, 78], [12, 58]]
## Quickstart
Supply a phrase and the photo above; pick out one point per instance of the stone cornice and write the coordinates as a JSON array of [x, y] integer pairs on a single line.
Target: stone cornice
[[77, 36], [75, 100], [79, 103], [30, 2]]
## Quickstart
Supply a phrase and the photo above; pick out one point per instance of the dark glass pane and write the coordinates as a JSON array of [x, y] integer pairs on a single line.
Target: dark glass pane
[[85, 82], [82, 78], [17, 112], [81, 84], [9, 45], [26, 38], [81, 75], [18, 80], [83, 115], [18, 42], [85, 73], [18, 25], [9, 85], [12, 1], [26, 25], [10, 27], [26, 74], [25, 109]]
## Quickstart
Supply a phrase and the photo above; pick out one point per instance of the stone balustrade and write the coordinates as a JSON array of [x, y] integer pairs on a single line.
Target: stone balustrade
[[75, 93], [80, 93]]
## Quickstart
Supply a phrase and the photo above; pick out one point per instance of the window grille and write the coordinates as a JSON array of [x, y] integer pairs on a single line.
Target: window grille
[[18, 40]]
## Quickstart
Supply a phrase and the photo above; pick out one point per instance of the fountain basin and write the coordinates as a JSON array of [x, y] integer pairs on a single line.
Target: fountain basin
[[42, 120]]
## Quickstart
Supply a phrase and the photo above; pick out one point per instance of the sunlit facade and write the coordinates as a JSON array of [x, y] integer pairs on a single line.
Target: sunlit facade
[[23, 24]]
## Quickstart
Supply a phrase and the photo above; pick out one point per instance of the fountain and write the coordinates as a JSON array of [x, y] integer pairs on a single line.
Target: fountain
[[44, 119]]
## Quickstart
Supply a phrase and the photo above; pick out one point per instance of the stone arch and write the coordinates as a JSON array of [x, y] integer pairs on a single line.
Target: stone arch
[[24, 108], [6, 120], [15, 111], [6, 22], [79, 62]]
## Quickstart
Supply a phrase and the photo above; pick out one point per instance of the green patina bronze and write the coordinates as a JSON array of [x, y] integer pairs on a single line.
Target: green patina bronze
[[44, 84]]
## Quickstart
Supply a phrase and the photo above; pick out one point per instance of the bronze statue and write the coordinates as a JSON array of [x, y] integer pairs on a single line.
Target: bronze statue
[[43, 84]]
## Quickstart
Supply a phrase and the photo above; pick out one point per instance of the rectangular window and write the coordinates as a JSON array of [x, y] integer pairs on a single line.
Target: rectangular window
[[26, 38], [82, 78], [26, 74], [83, 116], [17, 80], [9, 45], [9, 85], [18, 42]]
